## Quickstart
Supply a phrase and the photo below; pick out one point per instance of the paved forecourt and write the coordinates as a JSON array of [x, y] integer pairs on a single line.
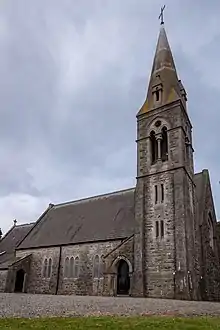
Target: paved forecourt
[[27, 305]]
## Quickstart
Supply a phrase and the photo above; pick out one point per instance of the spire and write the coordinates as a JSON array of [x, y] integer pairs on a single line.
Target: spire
[[164, 86]]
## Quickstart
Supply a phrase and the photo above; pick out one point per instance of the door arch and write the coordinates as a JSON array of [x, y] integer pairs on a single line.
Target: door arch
[[19, 281], [123, 278]]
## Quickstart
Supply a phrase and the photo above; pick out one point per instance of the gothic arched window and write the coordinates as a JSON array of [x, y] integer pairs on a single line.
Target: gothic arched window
[[77, 268], [164, 145], [49, 271], [45, 268], [71, 270], [96, 267], [101, 267], [66, 267], [154, 147]]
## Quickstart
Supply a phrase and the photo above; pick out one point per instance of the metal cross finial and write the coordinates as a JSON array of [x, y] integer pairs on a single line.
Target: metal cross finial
[[161, 15]]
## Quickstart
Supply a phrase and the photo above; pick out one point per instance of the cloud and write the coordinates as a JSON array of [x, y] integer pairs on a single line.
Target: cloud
[[73, 76]]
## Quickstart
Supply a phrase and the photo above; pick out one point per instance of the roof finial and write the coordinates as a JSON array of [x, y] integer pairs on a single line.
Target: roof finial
[[15, 222], [161, 15]]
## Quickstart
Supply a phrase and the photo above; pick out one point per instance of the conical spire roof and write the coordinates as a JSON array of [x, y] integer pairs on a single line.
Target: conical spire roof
[[163, 79], [163, 55]]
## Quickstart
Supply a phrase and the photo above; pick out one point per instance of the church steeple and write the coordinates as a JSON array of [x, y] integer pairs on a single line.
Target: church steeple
[[164, 85]]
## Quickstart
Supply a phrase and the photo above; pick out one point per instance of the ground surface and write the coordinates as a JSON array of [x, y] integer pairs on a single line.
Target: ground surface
[[26, 305], [112, 323]]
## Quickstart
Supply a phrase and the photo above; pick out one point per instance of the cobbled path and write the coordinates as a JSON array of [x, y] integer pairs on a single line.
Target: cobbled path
[[26, 305]]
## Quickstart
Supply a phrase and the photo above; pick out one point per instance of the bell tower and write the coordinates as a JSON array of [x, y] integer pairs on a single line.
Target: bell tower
[[164, 262]]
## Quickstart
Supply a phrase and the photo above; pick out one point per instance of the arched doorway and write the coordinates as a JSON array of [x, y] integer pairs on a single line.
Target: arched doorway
[[123, 278], [19, 281]]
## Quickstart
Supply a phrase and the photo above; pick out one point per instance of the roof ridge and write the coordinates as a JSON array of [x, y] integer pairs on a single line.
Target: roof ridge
[[23, 224], [87, 199]]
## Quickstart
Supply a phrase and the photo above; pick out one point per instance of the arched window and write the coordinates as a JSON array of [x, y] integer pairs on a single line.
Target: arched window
[[71, 272], [164, 145], [77, 268], [45, 268], [154, 147], [211, 231], [66, 267], [49, 273], [101, 267], [96, 267]]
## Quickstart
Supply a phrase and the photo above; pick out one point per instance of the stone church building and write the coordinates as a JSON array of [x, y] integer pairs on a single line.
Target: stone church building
[[157, 239]]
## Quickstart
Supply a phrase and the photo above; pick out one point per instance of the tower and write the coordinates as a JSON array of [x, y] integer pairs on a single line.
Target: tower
[[165, 258]]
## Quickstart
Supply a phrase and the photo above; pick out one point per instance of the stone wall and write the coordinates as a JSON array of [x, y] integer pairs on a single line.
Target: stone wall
[[210, 268], [36, 282], [3, 277], [167, 263], [85, 284]]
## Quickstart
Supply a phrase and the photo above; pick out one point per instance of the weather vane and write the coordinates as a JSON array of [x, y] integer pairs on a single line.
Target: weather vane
[[161, 15]]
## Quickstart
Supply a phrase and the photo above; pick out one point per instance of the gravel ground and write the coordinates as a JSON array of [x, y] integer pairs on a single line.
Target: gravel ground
[[26, 305]]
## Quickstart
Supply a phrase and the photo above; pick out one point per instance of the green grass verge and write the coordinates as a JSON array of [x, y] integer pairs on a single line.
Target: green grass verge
[[111, 323]]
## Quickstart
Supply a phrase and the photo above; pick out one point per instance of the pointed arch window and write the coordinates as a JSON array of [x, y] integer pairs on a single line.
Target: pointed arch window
[[96, 267], [49, 273], [101, 267], [66, 267], [154, 147], [77, 268], [164, 145], [72, 268], [45, 268]]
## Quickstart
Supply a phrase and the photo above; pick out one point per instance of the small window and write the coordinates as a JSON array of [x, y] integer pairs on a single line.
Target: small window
[[49, 273], [71, 271], [66, 267], [101, 267], [96, 267], [162, 193], [157, 95], [154, 147], [161, 228], [156, 194], [164, 145], [45, 268], [157, 228], [77, 268]]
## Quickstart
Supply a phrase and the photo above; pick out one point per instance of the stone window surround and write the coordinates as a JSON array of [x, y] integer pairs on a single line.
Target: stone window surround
[[66, 267], [159, 194], [99, 266], [47, 268]]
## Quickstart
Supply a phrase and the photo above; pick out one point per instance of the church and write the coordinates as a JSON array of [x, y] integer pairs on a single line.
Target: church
[[158, 239]]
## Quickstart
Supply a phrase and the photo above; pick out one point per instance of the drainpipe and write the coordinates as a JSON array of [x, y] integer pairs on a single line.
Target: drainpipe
[[58, 270]]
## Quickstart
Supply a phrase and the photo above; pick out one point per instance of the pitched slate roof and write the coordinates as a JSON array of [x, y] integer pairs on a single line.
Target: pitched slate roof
[[11, 240], [104, 217]]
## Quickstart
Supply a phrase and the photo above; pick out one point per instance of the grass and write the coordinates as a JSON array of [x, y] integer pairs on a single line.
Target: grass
[[111, 323]]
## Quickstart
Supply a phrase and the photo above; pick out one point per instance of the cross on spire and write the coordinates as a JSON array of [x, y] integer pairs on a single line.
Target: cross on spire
[[161, 15]]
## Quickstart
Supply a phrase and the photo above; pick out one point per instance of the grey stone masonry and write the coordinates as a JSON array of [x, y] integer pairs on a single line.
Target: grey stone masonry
[[3, 277], [110, 253], [168, 262]]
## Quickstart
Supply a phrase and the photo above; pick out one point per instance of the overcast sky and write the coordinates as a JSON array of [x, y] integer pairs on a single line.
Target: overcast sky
[[73, 74]]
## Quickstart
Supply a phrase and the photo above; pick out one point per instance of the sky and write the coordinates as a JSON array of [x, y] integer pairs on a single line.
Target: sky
[[73, 75]]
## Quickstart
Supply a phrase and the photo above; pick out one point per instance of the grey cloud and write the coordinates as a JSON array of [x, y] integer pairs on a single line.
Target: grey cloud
[[73, 76]]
